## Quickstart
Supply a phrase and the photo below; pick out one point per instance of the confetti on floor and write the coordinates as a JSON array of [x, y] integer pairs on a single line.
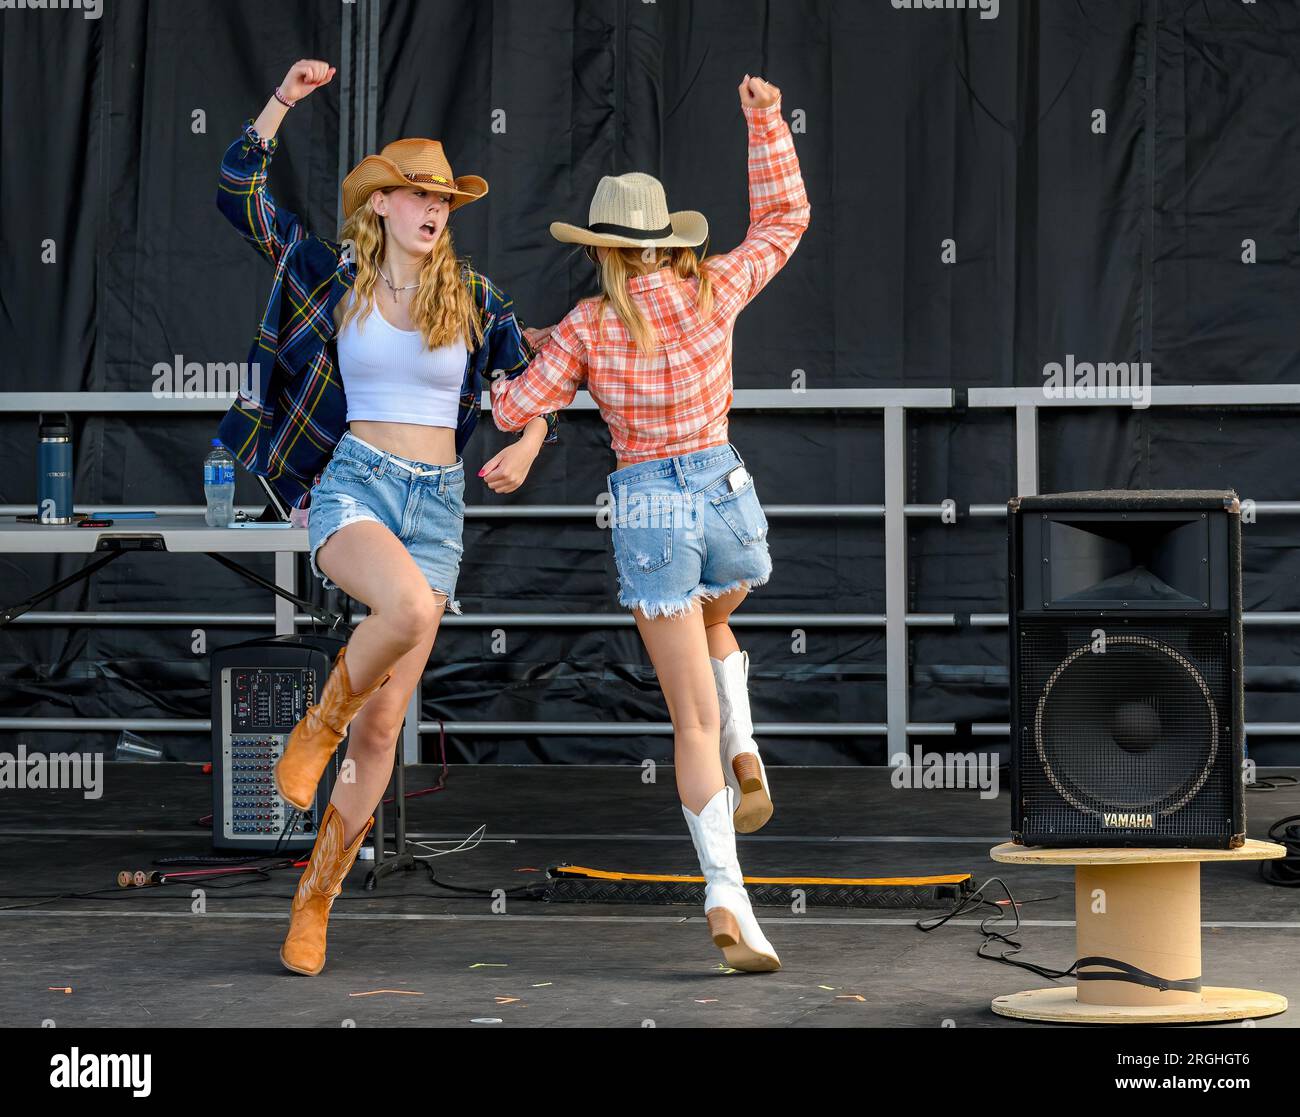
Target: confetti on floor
[[507, 1000], [489, 965], [486, 1020], [399, 992], [59, 988], [543, 984], [851, 997]]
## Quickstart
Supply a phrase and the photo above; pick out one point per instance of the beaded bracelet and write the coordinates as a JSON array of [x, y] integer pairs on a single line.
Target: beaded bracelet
[[282, 98]]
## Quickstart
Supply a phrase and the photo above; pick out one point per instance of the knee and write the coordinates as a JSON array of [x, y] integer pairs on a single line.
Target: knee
[[374, 736], [410, 615]]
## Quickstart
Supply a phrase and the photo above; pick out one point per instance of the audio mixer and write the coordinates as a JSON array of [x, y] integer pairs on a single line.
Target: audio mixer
[[260, 690]]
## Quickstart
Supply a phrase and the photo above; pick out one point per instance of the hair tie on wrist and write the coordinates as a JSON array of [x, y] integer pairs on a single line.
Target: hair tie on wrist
[[282, 98]]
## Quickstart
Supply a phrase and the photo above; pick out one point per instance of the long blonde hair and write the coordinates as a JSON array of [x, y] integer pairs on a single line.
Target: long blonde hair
[[443, 309], [619, 266]]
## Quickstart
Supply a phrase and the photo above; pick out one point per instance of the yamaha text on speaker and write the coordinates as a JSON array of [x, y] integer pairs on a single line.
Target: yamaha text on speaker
[[1126, 669], [260, 690]]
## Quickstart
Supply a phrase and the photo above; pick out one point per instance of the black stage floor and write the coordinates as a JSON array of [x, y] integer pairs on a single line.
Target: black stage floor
[[142, 958]]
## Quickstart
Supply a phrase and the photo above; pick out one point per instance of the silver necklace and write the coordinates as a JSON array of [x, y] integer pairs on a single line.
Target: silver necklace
[[408, 287]]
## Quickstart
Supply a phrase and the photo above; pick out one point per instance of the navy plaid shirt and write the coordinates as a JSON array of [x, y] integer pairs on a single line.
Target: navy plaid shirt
[[288, 430]]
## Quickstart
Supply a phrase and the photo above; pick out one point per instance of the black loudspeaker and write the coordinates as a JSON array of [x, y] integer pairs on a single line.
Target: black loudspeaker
[[1126, 669], [260, 691]]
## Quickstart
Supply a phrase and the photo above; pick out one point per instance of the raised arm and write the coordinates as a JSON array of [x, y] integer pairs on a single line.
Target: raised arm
[[548, 384], [242, 193], [778, 203]]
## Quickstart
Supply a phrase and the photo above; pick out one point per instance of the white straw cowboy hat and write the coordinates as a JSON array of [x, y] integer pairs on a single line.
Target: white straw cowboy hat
[[413, 162], [630, 211]]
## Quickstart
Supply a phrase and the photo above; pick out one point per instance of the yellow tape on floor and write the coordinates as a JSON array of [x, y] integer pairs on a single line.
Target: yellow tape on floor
[[601, 874]]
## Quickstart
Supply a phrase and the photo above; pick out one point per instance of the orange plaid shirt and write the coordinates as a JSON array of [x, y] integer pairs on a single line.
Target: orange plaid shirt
[[677, 399]]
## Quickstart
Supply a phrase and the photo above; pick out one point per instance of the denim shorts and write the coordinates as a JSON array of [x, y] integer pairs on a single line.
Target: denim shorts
[[425, 510], [682, 533]]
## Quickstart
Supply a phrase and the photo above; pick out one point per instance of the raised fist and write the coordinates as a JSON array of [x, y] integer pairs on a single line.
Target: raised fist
[[304, 77], [755, 93]]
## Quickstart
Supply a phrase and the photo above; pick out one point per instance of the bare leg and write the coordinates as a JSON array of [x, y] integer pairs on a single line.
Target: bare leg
[[372, 740], [741, 765], [717, 612], [679, 651], [370, 564]]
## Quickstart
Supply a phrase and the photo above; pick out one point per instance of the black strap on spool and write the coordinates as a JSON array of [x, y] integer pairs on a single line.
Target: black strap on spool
[[1134, 975]]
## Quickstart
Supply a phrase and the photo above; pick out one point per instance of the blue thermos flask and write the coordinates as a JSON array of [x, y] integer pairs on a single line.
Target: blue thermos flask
[[54, 463]]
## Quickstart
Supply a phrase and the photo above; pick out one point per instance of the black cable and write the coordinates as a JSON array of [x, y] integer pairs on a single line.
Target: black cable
[[286, 831], [209, 883], [974, 901], [115, 893], [1284, 872], [49, 898], [1273, 783], [522, 890]]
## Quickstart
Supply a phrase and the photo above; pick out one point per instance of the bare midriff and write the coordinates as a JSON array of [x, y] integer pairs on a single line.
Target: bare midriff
[[419, 443]]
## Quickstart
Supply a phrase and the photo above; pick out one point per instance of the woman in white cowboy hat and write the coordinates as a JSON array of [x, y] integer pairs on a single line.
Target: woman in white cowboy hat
[[381, 346], [689, 533]]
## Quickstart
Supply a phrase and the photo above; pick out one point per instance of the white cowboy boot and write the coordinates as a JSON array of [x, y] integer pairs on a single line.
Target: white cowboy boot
[[732, 925], [742, 767]]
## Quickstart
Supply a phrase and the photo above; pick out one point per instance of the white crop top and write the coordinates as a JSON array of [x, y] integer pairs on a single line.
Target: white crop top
[[389, 375]]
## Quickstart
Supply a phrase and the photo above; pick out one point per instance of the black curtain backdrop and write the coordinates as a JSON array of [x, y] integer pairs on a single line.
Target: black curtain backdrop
[[913, 128]]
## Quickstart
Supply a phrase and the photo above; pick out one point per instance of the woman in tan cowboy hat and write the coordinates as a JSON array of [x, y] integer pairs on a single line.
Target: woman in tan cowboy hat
[[381, 345], [688, 531]]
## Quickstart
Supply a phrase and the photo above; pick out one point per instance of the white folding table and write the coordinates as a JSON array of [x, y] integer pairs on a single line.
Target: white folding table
[[179, 533]]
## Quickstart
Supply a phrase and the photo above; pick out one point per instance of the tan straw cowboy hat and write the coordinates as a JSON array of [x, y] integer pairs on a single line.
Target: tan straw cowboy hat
[[414, 162], [630, 211]]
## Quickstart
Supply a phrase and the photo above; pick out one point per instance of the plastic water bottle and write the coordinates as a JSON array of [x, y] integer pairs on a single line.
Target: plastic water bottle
[[219, 485]]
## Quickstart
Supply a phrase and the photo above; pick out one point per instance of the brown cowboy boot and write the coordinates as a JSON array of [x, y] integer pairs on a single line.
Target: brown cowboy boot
[[304, 947], [315, 738]]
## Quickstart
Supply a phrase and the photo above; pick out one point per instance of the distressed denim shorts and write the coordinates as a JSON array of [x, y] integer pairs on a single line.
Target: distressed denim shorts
[[422, 504], [682, 533]]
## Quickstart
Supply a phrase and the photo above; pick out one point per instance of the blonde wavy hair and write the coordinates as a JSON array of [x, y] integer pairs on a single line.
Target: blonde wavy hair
[[621, 264], [443, 309]]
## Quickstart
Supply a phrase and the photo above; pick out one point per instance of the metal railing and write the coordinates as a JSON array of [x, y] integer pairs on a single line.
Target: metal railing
[[894, 404], [894, 512]]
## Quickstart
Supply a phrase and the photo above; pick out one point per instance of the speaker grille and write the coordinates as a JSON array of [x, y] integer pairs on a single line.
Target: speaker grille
[[1130, 743]]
